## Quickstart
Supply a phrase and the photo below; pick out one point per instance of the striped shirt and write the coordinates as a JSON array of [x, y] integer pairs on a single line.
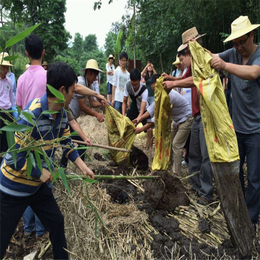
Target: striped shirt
[[13, 180]]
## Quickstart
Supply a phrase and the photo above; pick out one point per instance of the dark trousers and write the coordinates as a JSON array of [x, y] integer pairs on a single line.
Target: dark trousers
[[64, 159], [46, 208], [3, 138], [199, 161], [249, 147]]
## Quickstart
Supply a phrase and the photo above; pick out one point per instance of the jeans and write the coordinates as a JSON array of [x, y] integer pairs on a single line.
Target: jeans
[[45, 206], [118, 106], [199, 161], [32, 222], [249, 147]]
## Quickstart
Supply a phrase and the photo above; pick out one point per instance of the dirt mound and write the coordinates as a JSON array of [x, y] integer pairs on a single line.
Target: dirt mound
[[166, 193]]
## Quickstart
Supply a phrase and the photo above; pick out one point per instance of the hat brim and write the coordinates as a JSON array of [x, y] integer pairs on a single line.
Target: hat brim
[[240, 33], [92, 69], [175, 63], [9, 65]]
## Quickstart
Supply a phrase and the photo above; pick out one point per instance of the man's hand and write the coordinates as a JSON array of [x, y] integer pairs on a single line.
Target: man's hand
[[135, 122], [217, 62], [100, 117], [46, 176], [88, 172], [164, 74], [113, 103], [102, 100], [168, 85], [88, 141]]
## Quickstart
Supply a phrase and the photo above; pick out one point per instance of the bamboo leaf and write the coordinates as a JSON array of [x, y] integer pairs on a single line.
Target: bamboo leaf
[[10, 58], [55, 92], [28, 116], [49, 112], [64, 179], [21, 36], [38, 159], [29, 167], [11, 143], [32, 160], [13, 127]]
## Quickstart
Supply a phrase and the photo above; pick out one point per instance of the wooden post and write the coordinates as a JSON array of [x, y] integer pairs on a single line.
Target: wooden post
[[233, 204]]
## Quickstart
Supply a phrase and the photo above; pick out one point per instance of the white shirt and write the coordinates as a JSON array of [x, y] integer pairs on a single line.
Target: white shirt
[[110, 77], [120, 79]]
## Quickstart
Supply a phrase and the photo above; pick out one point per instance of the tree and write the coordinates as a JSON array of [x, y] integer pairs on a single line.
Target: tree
[[50, 13]]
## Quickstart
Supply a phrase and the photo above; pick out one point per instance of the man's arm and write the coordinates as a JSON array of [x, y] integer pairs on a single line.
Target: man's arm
[[141, 118], [89, 111], [76, 127], [124, 105], [246, 72], [181, 83], [170, 77], [113, 95], [85, 91], [84, 168]]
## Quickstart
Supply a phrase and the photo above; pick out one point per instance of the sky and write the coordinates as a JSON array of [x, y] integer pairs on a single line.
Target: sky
[[81, 17]]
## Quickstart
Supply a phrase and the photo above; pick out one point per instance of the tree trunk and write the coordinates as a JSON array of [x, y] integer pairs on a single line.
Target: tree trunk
[[233, 204]]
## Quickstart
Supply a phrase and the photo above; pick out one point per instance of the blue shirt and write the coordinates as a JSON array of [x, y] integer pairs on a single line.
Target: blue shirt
[[13, 180]]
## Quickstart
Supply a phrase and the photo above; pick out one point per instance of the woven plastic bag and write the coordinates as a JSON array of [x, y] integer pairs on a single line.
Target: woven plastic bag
[[162, 121], [218, 127], [120, 134]]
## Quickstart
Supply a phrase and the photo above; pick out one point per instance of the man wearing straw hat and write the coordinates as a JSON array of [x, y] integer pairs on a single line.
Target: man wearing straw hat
[[243, 64], [6, 99], [198, 153]]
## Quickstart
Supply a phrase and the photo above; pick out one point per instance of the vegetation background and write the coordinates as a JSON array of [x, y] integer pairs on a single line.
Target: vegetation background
[[153, 31]]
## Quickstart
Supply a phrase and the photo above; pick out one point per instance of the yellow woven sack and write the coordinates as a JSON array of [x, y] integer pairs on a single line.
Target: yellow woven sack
[[162, 122], [120, 134], [218, 127]]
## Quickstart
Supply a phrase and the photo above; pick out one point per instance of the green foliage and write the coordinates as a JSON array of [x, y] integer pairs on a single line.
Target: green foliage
[[50, 13]]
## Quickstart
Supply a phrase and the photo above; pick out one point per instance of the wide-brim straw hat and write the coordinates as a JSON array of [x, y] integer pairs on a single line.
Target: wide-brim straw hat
[[240, 27], [92, 64], [45, 63], [177, 61], [111, 57], [4, 62], [190, 34]]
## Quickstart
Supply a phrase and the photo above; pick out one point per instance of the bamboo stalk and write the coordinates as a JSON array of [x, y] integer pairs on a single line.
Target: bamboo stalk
[[113, 177], [103, 146]]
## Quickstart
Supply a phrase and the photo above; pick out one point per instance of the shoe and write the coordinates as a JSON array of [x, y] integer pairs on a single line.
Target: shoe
[[184, 163], [27, 235], [45, 235], [203, 201]]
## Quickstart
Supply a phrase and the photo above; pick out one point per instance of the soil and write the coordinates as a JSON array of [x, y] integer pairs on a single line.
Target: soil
[[160, 198]]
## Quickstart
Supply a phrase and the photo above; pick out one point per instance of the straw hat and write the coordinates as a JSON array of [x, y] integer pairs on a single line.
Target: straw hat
[[4, 62], [111, 57], [191, 33], [27, 66], [177, 61], [240, 27], [92, 64], [45, 63]]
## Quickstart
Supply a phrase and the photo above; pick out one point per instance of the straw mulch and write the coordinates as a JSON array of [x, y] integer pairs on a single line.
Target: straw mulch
[[97, 228]]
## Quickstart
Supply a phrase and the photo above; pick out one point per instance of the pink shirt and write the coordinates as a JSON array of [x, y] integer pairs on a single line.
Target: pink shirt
[[6, 93], [30, 85]]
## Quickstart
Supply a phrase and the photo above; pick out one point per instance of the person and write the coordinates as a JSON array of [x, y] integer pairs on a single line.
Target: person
[[45, 65], [138, 94], [35, 75], [177, 71], [242, 62], [18, 192], [147, 74], [110, 68], [96, 85], [181, 127], [30, 85], [11, 75], [6, 100], [198, 153], [78, 104], [121, 76]]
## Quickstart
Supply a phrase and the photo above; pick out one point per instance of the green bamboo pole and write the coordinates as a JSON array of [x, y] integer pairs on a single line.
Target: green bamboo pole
[[113, 177]]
